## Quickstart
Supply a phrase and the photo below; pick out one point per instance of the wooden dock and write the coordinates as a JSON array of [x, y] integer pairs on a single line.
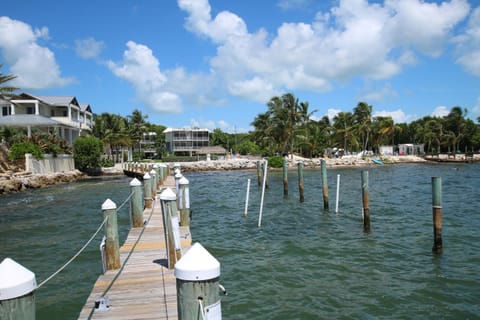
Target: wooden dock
[[144, 288]]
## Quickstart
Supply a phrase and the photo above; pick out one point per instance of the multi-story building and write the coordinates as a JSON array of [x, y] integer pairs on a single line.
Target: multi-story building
[[186, 140], [62, 115]]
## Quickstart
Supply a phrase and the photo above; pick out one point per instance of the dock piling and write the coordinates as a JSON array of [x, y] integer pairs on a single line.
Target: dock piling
[[300, 181], [136, 208], [184, 201], [246, 198], [171, 226], [112, 253], [437, 214], [147, 185], [325, 184], [285, 177], [365, 202]]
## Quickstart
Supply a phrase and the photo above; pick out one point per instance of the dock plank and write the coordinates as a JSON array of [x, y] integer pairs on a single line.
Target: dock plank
[[145, 288]]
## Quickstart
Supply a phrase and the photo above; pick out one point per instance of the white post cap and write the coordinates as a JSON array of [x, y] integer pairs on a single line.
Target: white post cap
[[146, 176], [153, 172], [197, 265], [178, 175], [15, 280], [135, 183], [168, 194], [109, 205], [183, 180]]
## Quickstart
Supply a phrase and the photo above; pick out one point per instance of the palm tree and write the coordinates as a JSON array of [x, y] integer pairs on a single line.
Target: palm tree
[[6, 91], [363, 119], [344, 131]]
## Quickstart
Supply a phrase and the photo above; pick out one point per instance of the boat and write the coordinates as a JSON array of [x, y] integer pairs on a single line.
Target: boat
[[377, 161]]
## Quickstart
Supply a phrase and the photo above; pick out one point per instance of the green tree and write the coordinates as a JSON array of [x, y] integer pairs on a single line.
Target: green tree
[[362, 114], [87, 153]]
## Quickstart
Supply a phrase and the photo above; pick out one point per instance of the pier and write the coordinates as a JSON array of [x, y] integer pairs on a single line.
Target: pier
[[144, 287]]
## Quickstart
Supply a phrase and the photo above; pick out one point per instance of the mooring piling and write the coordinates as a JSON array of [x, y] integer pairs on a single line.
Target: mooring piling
[[17, 291], [300, 181], [112, 254], [263, 193], [325, 184], [285, 177], [365, 201], [184, 201], [338, 194], [259, 173], [245, 213], [147, 186], [437, 214], [136, 207], [168, 199]]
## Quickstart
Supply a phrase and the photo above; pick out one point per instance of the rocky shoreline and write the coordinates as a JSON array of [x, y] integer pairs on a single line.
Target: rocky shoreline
[[21, 181]]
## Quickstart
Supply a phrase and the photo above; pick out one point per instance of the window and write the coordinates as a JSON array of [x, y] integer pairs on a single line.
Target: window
[[6, 111], [30, 110]]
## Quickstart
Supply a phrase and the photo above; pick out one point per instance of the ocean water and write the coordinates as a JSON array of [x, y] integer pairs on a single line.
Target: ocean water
[[304, 262]]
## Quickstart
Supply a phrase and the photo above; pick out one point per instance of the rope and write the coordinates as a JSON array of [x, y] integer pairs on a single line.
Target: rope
[[202, 311], [124, 262], [83, 248], [75, 256]]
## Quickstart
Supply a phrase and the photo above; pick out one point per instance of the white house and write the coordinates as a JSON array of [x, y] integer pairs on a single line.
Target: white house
[[62, 115], [186, 140]]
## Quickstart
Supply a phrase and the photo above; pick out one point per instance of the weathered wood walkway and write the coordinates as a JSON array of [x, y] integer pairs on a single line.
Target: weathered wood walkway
[[145, 288]]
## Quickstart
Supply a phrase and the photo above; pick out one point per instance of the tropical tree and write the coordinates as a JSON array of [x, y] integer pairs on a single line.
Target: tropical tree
[[362, 115], [6, 91], [136, 127], [344, 131]]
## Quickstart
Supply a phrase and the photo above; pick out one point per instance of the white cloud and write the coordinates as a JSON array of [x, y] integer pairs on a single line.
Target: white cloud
[[141, 69], [398, 115], [35, 66], [88, 48], [292, 4], [332, 112], [353, 39], [440, 111], [468, 45]]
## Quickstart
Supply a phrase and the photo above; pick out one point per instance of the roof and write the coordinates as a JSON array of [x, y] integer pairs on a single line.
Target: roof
[[25, 120], [212, 150], [85, 107], [184, 129], [59, 100]]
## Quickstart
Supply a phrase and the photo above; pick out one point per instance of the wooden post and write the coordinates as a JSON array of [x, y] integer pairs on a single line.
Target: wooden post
[[325, 185], [198, 294], [184, 201], [171, 226], [17, 291], [259, 173], [153, 183], [365, 200], [147, 191], [437, 214], [136, 202], [300, 181], [111, 234], [285, 177]]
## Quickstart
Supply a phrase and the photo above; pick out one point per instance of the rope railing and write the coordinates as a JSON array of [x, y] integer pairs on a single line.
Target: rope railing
[[125, 261], [83, 248]]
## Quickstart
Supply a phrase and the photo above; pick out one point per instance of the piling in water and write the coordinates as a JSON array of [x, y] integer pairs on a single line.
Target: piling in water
[[338, 193], [285, 177], [300, 181], [136, 214], [246, 198], [365, 200], [437, 214], [259, 173], [325, 185], [112, 252]]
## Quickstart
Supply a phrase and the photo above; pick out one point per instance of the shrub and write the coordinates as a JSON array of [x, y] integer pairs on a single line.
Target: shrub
[[87, 153], [106, 163], [275, 162], [18, 150]]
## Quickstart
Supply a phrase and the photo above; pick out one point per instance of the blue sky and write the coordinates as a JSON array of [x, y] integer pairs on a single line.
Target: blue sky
[[216, 63]]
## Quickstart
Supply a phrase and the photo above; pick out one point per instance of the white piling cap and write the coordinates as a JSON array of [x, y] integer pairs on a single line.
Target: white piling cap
[[153, 172], [15, 280], [146, 176], [109, 205], [135, 183], [168, 194], [178, 175], [183, 180], [197, 265]]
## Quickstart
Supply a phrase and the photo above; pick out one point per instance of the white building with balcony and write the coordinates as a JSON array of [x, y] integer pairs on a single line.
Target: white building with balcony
[[61, 115], [186, 140]]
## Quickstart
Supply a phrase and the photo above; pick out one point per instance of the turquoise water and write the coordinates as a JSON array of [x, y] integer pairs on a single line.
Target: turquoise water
[[303, 263]]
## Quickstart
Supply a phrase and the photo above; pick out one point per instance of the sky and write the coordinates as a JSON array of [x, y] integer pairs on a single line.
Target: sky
[[216, 63]]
